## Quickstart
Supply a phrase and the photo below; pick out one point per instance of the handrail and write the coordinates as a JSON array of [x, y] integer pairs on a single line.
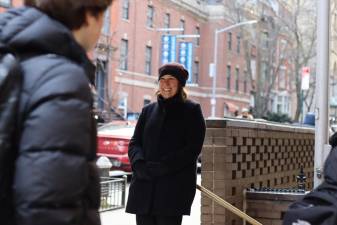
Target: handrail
[[228, 206]]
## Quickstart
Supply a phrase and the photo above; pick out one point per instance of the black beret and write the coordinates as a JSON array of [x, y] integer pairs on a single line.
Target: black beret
[[176, 70]]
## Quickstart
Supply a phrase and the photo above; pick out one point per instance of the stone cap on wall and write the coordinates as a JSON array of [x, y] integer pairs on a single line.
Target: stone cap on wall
[[256, 124]]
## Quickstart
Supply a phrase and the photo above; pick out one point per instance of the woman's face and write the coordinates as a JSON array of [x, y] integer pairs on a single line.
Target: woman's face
[[168, 86]]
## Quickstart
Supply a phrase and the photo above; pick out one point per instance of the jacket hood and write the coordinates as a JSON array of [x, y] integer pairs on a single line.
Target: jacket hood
[[27, 30]]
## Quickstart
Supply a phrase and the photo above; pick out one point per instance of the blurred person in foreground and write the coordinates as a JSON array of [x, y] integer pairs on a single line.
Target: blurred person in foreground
[[319, 207], [54, 177], [163, 153]]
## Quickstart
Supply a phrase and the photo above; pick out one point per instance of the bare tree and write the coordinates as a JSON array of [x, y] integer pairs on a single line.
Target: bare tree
[[302, 29], [262, 52], [285, 35]]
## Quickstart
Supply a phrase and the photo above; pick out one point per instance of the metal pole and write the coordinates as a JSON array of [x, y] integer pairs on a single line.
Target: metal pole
[[215, 58], [322, 81]]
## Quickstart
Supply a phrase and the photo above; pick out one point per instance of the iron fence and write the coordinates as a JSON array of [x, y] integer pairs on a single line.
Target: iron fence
[[112, 193]]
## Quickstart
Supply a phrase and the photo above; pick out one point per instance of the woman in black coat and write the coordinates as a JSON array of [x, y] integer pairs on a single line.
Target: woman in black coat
[[163, 153]]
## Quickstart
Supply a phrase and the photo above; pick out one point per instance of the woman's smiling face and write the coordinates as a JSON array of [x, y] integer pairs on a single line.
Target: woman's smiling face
[[168, 86]]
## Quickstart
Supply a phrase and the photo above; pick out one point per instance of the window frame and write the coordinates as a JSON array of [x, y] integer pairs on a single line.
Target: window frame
[[182, 24], [167, 21], [238, 44], [195, 78], [229, 41], [150, 16], [237, 79], [125, 10], [124, 51], [148, 59], [228, 77], [197, 40]]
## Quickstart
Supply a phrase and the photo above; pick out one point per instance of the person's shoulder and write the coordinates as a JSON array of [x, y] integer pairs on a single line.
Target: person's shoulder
[[190, 104], [52, 74], [54, 65], [149, 107]]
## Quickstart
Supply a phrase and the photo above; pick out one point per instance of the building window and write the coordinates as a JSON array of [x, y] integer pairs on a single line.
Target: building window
[[123, 104], [182, 25], [237, 79], [282, 78], [245, 82], [148, 59], [125, 10], [229, 41], [228, 77], [238, 44], [6, 3], [282, 48], [197, 40], [150, 16], [264, 71], [106, 23], [146, 101], [265, 38], [195, 78], [167, 20], [123, 62]]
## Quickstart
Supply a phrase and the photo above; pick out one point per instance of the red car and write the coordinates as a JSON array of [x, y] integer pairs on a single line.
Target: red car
[[113, 140]]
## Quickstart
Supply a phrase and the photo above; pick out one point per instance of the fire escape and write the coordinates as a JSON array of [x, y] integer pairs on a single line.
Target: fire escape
[[103, 55]]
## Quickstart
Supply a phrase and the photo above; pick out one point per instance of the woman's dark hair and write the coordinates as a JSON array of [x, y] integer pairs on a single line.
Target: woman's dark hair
[[70, 12]]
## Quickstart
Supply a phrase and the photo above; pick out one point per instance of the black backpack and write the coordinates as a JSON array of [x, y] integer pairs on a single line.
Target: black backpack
[[10, 87]]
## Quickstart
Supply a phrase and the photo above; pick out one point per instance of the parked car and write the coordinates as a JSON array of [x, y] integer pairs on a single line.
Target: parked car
[[113, 140]]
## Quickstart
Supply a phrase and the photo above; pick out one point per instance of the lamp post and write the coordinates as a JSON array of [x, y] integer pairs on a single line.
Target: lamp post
[[213, 67], [322, 88]]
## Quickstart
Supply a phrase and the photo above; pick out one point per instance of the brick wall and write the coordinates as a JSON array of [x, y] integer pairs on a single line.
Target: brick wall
[[239, 154], [269, 207]]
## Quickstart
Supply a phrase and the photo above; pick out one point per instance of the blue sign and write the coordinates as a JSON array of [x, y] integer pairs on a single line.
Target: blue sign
[[186, 56], [168, 48]]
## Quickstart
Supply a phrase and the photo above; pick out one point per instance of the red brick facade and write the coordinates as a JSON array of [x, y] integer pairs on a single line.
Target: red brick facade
[[137, 85]]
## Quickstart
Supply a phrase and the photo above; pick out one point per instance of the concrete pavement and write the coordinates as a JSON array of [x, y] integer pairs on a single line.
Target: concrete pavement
[[119, 217]]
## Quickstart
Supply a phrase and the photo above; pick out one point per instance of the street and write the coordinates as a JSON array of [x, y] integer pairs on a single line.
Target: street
[[119, 217]]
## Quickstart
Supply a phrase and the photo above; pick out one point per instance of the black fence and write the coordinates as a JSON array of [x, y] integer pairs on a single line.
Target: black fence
[[112, 193]]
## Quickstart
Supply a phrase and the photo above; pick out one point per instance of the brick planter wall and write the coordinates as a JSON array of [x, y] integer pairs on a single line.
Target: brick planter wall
[[269, 207], [239, 154]]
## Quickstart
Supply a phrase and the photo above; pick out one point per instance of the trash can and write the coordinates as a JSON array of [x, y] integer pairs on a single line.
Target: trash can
[[309, 119], [104, 165]]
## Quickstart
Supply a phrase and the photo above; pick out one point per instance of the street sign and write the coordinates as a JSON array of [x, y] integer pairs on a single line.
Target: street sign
[[305, 78], [211, 69]]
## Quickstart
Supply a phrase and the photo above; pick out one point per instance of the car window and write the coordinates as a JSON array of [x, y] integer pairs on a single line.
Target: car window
[[117, 130]]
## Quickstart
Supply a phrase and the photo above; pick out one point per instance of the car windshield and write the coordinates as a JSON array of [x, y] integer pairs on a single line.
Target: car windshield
[[120, 130]]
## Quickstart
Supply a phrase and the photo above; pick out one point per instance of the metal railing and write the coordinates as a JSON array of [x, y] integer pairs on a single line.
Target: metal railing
[[113, 193]]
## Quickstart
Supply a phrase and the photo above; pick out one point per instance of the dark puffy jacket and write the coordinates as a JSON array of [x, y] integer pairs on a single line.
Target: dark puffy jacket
[[319, 207], [55, 177], [169, 136]]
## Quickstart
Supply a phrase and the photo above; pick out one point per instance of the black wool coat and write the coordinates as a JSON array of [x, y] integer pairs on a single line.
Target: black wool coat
[[55, 181], [169, 135]]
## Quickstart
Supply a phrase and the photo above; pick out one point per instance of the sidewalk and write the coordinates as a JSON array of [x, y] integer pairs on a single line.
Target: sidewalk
[[119, 217]]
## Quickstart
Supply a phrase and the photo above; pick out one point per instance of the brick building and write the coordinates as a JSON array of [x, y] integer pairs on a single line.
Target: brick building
[[136, 33], [130, 51]]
